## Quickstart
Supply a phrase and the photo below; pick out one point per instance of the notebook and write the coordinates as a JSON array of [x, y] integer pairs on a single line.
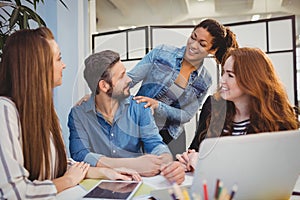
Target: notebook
[[263, 166]]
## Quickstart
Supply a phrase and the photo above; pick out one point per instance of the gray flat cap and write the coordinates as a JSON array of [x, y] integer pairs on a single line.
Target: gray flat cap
[[95, 66]]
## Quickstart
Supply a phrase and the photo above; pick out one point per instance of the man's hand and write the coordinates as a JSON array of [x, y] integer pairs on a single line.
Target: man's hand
[[148, 165], [145, 165], [174, 171]]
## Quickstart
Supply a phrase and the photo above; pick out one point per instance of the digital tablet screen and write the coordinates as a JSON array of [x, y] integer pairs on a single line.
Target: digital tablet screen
[[108, 189]]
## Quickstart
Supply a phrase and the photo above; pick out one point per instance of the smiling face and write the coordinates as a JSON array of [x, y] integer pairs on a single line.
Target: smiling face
[[58, 64], [230, 89], [198, 46]]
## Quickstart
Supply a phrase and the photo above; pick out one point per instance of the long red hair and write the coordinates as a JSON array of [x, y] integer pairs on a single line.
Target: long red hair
[[270, 108]]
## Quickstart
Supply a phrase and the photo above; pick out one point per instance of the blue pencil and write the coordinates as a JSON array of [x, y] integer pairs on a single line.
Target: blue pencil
[[172, 194]]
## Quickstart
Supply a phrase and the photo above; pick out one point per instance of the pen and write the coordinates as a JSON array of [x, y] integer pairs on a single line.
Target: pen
[[205, 190], [234, 189]]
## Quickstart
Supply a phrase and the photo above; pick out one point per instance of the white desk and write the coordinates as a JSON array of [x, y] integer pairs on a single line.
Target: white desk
[[157, 182]]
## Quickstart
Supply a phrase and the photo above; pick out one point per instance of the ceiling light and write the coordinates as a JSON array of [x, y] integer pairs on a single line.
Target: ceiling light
[[255, 17], [126, 27]]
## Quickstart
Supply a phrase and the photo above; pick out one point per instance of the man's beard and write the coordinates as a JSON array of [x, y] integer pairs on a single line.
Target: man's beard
[[118, 96]]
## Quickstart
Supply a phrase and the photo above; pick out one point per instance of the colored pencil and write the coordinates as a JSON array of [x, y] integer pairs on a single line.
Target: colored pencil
[[205, 190], [185, 193], [217, 189], [234, 189], [220, 188], [173, 197]]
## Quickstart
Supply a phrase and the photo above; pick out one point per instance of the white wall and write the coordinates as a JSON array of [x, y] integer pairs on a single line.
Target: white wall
[[70, 29]]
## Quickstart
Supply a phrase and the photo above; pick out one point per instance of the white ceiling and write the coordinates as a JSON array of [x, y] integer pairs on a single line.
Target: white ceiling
[[116, 14]]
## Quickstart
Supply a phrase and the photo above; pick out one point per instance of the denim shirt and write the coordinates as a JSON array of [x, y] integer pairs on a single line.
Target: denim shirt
[[132, 132], [158, 70]]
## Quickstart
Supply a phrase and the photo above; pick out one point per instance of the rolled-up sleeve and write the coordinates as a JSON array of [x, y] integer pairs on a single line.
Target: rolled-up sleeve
[[14, 182]]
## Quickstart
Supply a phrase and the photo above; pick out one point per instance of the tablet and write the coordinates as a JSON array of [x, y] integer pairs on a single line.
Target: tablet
[[111, 189]]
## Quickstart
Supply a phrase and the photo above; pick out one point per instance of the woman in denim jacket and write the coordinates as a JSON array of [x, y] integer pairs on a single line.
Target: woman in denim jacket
[[174, 80]]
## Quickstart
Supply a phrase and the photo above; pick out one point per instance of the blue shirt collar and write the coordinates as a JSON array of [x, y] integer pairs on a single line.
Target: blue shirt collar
[[90, 104]]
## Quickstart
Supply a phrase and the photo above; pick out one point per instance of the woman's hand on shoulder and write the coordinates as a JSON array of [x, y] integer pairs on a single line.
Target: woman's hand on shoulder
[[83, 99], [152, 103]]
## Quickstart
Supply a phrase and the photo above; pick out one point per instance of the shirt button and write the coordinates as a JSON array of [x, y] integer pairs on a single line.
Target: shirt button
[[114, 151], [112, 134]]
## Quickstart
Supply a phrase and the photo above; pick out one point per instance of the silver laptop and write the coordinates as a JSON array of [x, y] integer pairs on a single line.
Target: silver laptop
[[263, 166]]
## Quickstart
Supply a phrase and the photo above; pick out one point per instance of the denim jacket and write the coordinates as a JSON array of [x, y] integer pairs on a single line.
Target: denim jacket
[[158, 70]]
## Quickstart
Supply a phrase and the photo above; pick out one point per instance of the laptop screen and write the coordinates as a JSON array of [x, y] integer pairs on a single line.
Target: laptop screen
[[262, 166]]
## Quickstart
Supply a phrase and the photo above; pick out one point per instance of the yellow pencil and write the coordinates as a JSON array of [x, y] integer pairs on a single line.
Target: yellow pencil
[[177, 191], [185, 193]]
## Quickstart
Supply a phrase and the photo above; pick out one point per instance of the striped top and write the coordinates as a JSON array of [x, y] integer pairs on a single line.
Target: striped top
[[14, 182], [239, 128]]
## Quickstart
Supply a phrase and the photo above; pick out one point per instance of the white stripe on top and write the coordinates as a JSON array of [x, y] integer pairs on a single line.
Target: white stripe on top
[[239, 128], [14, 183]]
